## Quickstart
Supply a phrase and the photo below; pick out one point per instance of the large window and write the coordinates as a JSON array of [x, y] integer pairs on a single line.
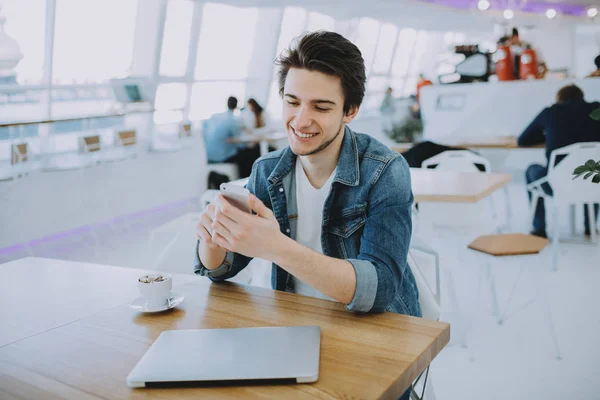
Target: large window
[[318, 21], [93, 40], [209, 98], [292, 25], [385, 49], [226, 42], [368, 33], [176, 38], [26, 23], [169, 103]]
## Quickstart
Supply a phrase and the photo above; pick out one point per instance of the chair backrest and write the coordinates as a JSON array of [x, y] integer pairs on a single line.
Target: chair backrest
[[127, 138], [454, 215], [560, 175], [458, 160], [185, 129], [18, 153], [90, 144]]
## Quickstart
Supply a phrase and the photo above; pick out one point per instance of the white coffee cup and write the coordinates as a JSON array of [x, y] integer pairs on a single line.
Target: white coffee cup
[[155, 288]]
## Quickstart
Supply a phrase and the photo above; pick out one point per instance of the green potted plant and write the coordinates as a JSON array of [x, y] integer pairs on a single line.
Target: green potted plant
[[591, 168]]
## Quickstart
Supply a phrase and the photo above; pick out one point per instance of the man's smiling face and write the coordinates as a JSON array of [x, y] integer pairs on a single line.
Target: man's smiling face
[[313, 111]]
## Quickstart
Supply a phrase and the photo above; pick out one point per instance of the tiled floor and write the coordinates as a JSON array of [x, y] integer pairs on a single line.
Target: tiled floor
[[515, 360]]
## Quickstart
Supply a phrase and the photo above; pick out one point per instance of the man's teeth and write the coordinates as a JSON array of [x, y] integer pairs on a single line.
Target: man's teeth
[[305, 135]]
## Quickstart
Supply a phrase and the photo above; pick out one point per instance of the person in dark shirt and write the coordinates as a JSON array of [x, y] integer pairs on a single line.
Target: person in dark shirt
[[564, 123]]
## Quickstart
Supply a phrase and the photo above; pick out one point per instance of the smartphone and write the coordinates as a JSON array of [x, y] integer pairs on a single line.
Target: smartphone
[[237, 195]]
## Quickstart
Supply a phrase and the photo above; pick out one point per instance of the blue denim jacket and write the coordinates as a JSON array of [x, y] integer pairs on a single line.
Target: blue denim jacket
[[366, 221]]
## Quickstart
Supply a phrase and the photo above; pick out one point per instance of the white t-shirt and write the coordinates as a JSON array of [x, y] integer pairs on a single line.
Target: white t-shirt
[[310, 220]]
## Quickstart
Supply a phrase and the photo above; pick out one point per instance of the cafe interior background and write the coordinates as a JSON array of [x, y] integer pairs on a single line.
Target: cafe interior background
[[71, 70]]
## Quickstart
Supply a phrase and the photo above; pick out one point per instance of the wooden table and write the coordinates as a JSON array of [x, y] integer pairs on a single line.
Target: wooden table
[[262, 139], [81, 341], [495, 142], [454, 187]]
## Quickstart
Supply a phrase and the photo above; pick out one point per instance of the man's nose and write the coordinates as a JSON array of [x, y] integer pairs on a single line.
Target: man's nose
[[303, 118]]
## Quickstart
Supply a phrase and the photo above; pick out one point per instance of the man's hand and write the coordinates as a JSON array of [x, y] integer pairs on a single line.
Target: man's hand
[[204, 229], [251, 235]]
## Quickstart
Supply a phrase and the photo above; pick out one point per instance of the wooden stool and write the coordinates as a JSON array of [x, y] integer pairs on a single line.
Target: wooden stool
[[515, 244]]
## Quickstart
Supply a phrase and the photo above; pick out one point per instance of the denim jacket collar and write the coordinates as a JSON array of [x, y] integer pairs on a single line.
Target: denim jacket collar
[[347, 166]]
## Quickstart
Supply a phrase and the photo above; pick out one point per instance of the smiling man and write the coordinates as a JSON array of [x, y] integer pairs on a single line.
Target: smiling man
[[333, 210]]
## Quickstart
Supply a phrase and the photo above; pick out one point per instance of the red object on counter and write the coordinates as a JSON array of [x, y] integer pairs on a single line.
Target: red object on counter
[[529, 66], [504, 64], [422, 83]]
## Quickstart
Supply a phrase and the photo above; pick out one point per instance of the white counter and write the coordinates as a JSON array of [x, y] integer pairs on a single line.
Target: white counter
[[479, 110]]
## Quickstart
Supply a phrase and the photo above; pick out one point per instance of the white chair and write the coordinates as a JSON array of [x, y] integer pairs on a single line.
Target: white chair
[[465, 161], [430, 303], [567, 191]]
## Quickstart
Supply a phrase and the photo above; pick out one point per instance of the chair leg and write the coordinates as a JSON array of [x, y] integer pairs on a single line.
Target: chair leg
[[494, 296], [592, 221], [508, 209], [541, 294], [512, 292], [572, 219], [555, 238], [535, 197]]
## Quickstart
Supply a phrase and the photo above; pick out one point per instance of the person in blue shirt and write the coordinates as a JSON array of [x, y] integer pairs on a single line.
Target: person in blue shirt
[[219, 129], [564, 123]]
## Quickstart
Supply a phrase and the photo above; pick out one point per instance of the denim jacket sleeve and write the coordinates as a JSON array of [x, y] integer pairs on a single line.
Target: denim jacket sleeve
[[382, 260], [233, 262]]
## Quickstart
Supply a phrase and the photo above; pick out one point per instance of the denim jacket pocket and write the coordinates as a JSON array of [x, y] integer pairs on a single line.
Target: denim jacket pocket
[[348, 221]]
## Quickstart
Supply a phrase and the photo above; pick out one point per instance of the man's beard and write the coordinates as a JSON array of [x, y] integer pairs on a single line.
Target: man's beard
[[324, 145]]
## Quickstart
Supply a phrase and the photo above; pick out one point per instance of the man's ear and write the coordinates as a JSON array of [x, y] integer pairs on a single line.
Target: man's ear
[[352, 112]]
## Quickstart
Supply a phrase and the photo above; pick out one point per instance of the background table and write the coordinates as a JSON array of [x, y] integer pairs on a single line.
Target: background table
[[88, 354], [454, 187], [262, 139]]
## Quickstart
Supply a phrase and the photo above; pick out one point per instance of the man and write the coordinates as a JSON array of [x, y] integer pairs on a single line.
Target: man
[[333, 210], [564, 123], [388, 110], [596, 73], [219, 130], [516, 48]]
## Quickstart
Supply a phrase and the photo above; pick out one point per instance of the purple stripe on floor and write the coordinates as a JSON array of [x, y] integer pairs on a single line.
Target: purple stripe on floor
[[90, 228]]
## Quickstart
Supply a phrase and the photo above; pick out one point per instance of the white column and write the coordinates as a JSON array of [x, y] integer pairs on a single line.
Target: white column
[[149, 29], [49, 55], [192, 56], [263, 55]]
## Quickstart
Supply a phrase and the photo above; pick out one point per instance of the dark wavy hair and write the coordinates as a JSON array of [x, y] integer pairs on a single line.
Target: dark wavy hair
[[257, 110], [331, 54]]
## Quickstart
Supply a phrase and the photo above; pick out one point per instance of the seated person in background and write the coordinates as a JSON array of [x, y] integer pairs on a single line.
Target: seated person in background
[[219, 130], [564, 123], [255, 117], [333, 210], [387, 109], [596, 73], [257, 121]]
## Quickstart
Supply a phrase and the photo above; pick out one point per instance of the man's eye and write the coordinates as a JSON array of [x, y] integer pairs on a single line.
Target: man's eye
[[322, 109], [291, 103]]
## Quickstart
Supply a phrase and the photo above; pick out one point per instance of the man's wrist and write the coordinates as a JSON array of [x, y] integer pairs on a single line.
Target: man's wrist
[[279, 249]]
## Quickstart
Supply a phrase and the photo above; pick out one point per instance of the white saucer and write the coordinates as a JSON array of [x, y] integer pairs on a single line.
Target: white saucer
[[139, 304]]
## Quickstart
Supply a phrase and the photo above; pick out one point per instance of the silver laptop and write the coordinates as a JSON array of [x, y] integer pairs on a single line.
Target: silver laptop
[[206, 357]]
